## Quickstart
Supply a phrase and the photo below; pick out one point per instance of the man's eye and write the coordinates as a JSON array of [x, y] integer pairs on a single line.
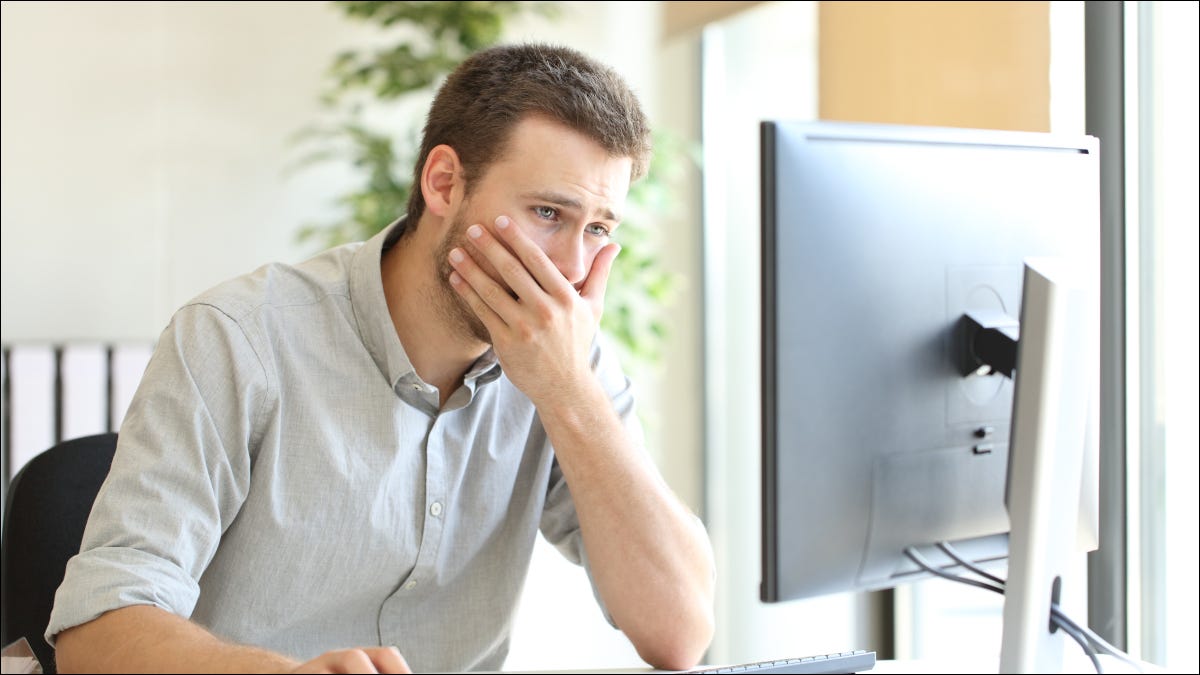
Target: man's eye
[[545, 212], [598, 230]]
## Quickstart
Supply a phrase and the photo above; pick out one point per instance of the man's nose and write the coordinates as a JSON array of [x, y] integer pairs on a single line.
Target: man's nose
[[567, 252]]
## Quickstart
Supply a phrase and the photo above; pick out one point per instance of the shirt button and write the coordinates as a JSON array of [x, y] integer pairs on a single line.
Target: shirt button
[[416, 387], [435, 509], [411, 584]]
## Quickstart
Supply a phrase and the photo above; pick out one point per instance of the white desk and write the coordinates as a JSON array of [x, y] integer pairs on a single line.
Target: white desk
[[1076, 662]]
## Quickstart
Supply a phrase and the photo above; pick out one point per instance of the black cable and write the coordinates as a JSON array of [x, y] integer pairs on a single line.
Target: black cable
[[928, 567], [1097, 642], [1109, 649], [1072, 630], [948, 550], [1060, 619], [996, 585]]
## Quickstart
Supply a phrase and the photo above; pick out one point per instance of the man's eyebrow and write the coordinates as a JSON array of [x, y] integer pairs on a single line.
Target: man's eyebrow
[[565, 201]]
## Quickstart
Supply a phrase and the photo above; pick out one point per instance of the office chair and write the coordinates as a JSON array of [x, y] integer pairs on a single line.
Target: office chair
[[45, 510]]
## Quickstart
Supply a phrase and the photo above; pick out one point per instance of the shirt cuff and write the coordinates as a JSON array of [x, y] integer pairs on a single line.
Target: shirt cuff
[[103, 579]]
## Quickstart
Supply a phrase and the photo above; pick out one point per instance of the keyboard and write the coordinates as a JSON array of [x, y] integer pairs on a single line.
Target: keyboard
[[838, 662]]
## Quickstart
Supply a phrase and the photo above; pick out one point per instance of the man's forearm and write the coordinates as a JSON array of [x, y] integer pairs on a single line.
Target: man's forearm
[[649, 555], [146, 639]]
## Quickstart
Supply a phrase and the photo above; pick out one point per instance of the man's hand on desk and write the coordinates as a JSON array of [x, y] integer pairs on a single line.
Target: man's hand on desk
[[367, 660], [147, 639]]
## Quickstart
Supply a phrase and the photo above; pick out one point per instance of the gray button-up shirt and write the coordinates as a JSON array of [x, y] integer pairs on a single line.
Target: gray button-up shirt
[[284, 478]]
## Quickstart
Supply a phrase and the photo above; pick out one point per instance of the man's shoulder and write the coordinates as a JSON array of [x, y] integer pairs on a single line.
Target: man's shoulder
[[282, 285]]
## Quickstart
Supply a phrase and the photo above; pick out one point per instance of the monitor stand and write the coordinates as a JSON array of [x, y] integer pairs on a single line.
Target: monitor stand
[[1052, 425]]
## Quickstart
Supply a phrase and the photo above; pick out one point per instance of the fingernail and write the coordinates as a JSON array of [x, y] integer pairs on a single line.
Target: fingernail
[[502, 222], [455, 279], [475, 231], [456, 255]]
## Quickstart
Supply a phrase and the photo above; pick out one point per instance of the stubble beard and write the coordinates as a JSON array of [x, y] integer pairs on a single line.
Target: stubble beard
[[446, 301]]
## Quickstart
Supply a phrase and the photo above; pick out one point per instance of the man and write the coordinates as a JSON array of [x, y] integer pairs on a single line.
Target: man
[[341, 466]]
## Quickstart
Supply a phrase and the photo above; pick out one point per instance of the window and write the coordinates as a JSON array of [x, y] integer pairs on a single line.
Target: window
[[1163, 357]]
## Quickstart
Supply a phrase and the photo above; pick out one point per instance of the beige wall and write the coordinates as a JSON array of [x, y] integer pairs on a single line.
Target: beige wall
[[964, 64], [680, 18]]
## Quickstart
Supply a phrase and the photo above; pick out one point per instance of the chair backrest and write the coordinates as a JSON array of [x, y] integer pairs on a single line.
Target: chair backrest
[[46, 508]]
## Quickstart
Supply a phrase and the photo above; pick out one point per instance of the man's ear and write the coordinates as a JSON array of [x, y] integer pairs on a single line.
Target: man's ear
[[439, 178]]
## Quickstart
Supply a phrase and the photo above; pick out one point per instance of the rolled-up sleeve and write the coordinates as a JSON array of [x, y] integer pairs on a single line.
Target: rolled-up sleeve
[[179, 476]]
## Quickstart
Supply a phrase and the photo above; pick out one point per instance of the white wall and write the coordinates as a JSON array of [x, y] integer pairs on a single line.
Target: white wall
[[144, 159], [144, 147]]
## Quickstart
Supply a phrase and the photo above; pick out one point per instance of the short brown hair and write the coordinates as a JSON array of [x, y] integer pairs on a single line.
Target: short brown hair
[[478, 105]]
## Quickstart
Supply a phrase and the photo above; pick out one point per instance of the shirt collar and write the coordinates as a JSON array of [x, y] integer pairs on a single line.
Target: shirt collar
[[375, 323]]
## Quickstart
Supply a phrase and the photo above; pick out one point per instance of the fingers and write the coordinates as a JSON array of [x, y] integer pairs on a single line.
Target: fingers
[[511, 269], [521, 263], [388, 660], [597, 279], [487, 298], [532, 259], [523, 269], [366, 660], [523, 273]]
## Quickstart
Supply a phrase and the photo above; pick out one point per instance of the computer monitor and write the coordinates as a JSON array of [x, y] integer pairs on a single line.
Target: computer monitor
[[880, 430]]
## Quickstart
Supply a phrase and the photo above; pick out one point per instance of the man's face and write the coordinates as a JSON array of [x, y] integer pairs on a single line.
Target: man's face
[[562, 189]]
